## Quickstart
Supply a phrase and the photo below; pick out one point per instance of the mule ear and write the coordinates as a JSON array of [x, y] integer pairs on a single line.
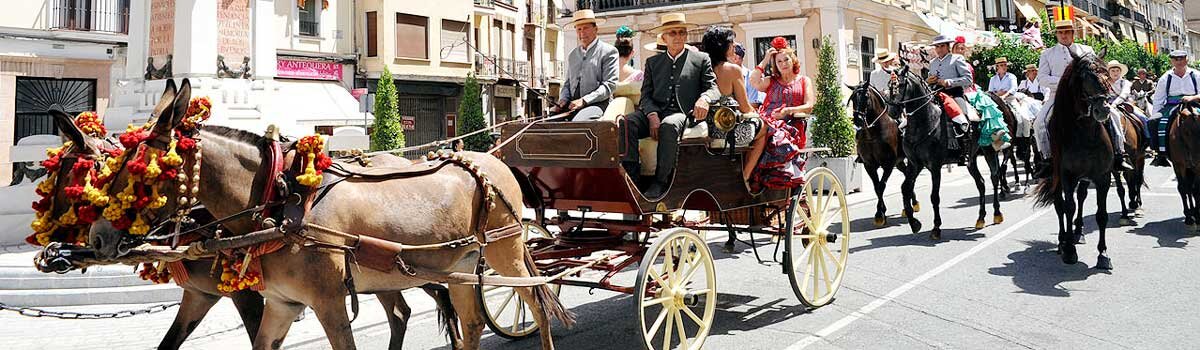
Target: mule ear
[[182, 100], [66, 125], [162, 111]]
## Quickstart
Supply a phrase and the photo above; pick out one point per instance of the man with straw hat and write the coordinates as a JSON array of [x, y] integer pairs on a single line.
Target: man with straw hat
[[591, 72], [1002, 83], [1051, 66], [1176, 87], [952, 74], [881, 77], [679, 83], [1030, 85]]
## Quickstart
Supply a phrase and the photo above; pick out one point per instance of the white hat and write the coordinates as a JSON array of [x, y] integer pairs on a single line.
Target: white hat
[[584, 16], [672, 20], [1178, 53], [884, 55], [1117, 64], [942, 39]]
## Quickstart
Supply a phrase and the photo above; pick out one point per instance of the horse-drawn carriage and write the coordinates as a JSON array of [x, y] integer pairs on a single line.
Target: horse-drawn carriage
[[605, 225]]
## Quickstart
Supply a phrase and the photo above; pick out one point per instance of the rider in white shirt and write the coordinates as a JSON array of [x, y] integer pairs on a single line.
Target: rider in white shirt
[[1003, 82], [1030, 85], [1176, 87]]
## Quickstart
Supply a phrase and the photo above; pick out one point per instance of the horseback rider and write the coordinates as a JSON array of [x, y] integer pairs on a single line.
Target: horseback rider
[[887, 62], [1051, 66], [1030, 85], [1178, 86], [1002, 83], [952, 73]]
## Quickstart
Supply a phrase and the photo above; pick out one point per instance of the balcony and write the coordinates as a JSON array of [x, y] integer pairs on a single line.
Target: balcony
[[110, 16], [555, 70], [485, 66], [614, 5]]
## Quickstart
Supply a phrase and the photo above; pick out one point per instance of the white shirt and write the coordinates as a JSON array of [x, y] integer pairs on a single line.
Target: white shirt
[[1180, 86], [1031, 85], [1006, 82], [1121, 87], [1053, 63], [881, 80]]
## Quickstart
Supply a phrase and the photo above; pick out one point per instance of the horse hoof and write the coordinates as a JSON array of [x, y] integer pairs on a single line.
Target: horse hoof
[[1080, 240], [1139, 213], [1104, 263], [728, 248], [1069, 255], [998, 219], [916, 207], [915, 225], [936, 234], [879, 222], [979, 224]]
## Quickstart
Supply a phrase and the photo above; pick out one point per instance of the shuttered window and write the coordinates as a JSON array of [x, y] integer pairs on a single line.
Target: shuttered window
[[372, 34], [412, 36], [454, 37]]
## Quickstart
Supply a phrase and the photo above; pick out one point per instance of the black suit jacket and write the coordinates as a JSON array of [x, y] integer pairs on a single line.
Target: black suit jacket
[[689, 77]]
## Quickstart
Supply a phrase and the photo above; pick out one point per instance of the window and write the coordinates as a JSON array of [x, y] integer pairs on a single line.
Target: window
[[867, 49], [372, 34], [762, 44], [454, 41], [309, 18], [412, 36]]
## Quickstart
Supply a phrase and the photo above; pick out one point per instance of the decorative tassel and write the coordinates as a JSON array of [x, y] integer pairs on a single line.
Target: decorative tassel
[[172, 158], [139, 227], [68, 218], [158, 201], [310, 177]]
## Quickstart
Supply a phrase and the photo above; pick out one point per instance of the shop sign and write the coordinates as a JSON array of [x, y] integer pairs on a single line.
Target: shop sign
[[301, 69], [409, 123], [506, 91]]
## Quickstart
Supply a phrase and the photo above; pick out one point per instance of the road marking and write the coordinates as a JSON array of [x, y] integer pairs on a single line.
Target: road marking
[[895, 293]]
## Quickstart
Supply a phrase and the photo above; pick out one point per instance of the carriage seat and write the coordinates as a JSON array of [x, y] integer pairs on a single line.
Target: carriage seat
[[624, 101]]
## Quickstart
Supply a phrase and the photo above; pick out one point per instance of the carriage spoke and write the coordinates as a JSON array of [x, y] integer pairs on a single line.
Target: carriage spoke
[[657, 301], [670, 325], [825, 271], [687, 276], [816, 265], [825, 250], [683, 343], [657, 278], [517, 313], [808, 269], [662, 315], [503, 305], [692, 315]]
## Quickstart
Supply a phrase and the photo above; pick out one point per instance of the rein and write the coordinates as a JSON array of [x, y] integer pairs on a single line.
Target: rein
[[882, 111], [441, 143]]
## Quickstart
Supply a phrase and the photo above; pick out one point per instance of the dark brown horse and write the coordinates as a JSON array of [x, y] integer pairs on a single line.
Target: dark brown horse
[[1014, 153], [427, 210], [200, 292], [925, 143], [1185, 158], [1135, 146], [878, 142], [1081, 151]]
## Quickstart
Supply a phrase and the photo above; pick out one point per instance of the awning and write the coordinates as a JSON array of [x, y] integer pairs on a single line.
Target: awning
[[1027, 10], [299, 105]]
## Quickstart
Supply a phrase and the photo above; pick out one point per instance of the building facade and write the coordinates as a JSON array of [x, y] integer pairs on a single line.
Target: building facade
[[856, 27], [431, 47], [56, 52], [1191, 15]]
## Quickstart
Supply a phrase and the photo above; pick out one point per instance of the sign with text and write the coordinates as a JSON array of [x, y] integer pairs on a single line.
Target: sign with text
[[409, 123], [299, 69]]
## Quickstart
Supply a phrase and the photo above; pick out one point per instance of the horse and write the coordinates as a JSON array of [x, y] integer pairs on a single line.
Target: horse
[[1081, 151], [1019, 151], [996, 165], [878, 142], [924, 143], [200, 291], [1184, 141], [1136, 146], [443, 209]]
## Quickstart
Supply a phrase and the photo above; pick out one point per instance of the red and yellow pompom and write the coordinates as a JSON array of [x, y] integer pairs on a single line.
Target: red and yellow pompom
[[157, 274], [315, 160], [91, 124], [236, 277], [199, 109]]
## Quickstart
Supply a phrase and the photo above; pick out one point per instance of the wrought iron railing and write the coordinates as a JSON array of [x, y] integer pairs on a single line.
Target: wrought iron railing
[[522, 71], [90, 15], [308, 28], [485, 66], [612, 5]]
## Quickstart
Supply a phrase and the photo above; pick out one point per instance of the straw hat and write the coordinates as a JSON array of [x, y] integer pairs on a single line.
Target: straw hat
[[1030, 67], [584, 16], [659, 45], [672, 20], [884, 55], [1001, 60], [1117, 64], [1064, 24], [942, 39]]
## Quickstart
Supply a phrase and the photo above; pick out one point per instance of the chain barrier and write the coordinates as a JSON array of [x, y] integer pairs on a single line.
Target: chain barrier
[[69, 315]]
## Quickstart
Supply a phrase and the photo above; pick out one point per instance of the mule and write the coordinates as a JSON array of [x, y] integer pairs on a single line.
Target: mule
[[200, 291], [878, 142], [1082, 152], [426, 210], [1184, 141]]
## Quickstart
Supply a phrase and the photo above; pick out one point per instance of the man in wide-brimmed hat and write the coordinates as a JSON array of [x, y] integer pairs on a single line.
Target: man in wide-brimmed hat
[[952, 73], [1002, 83], [886, 62], [1030, 85], [1176, 87], [1051, 66], [679, 83], [591, 71]]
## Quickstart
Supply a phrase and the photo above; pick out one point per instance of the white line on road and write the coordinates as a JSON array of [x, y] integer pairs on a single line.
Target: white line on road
[[895, 293]]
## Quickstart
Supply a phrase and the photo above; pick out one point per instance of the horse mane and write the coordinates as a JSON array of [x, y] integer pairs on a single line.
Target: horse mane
[[1064, 125], [238, 135]]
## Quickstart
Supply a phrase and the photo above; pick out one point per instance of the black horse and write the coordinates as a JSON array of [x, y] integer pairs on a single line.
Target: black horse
[[925, 140], [878, 142], [1081, 151]]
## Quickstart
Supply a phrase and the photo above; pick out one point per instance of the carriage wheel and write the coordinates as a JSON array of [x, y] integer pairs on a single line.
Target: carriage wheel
[[819, 243], [676, 291], [507, 314]]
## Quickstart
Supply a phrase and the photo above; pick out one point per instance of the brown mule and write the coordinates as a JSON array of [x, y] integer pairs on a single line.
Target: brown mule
[[1184, 141], [199, 289], [423, 210]]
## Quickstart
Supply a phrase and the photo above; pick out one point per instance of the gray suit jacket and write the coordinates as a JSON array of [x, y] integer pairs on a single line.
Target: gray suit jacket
[[591, 75], [689, 78]]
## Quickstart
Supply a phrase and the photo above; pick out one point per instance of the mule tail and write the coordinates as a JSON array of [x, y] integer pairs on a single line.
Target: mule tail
[[447, 315], [546, 298]]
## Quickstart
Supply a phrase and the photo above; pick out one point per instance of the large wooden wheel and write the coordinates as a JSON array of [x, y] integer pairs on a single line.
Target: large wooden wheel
[[676, 291], [819, 241], [507, 314]]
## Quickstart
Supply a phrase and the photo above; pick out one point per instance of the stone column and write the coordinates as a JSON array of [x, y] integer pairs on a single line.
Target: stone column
[[263, 39], [195, 38], [139, 39]]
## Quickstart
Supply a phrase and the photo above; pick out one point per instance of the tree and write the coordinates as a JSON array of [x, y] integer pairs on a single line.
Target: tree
[[831, 127], [470, 112], [387, 132], [1007, 46]]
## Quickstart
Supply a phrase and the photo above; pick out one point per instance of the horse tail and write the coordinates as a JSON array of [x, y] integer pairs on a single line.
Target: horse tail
[[546, 298], [447, 315]]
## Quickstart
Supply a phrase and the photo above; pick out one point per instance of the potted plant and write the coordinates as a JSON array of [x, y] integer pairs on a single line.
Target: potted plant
[[831, 127]]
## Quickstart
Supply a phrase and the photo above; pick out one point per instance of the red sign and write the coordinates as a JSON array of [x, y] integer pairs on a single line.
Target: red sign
[[358, 92], [317, 70], [409, 123]]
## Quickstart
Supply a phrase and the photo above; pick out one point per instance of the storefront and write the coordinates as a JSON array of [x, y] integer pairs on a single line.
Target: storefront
[[428, 110]]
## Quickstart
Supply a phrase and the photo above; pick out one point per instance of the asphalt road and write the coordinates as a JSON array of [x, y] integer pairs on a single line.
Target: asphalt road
[[1002, 287]]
